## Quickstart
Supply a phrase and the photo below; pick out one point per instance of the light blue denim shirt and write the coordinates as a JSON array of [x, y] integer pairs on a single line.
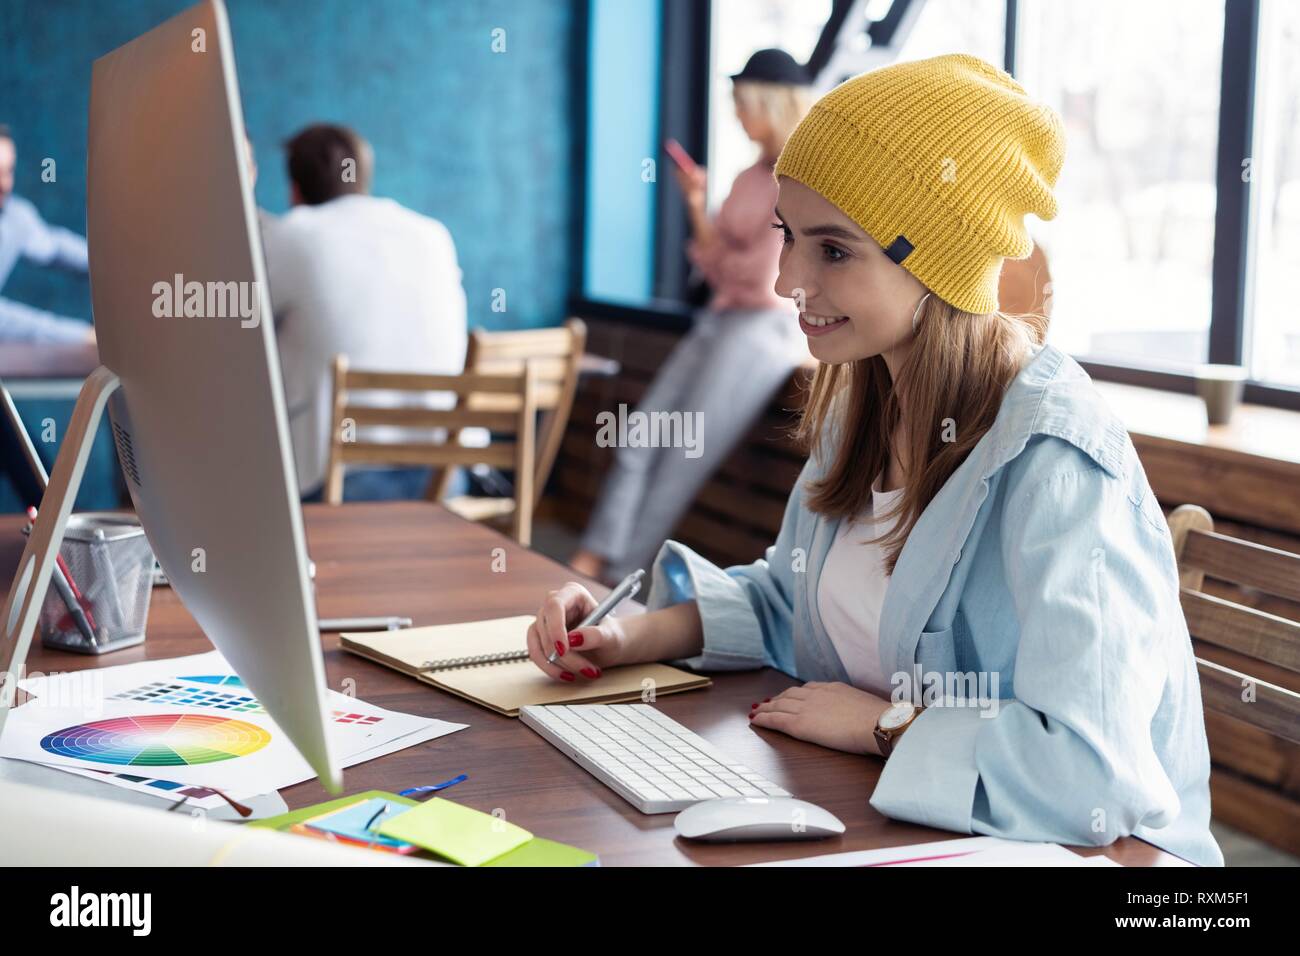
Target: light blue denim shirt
[[1040, 585], [25, 235]]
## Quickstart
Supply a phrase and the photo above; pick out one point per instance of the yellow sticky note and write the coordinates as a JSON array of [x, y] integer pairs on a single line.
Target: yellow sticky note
[[461, 834]]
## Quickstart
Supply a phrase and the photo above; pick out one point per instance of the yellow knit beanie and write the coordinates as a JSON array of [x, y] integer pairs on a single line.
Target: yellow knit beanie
[[938, 160]]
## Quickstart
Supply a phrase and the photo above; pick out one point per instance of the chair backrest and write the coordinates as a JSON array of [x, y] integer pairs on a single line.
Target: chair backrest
[[1254, 634], [1025, 285], [555, 355], [509, 414]]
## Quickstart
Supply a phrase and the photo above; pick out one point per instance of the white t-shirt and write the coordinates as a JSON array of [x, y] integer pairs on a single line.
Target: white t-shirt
[[369, 278], [851, 592]]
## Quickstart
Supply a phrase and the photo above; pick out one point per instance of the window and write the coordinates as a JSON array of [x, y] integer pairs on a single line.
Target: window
[[1131, 250], [740, 27], [896, 30], [977, 27], [1274, 172], [1178, 237]]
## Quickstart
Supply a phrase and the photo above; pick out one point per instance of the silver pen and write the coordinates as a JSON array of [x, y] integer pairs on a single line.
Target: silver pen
[[629, 586], [330, 625]]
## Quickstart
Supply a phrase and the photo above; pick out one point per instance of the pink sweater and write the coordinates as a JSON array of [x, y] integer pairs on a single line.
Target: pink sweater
[[741, 263]]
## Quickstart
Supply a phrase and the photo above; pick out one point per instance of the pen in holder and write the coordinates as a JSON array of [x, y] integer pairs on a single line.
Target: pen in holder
[[109, 580]]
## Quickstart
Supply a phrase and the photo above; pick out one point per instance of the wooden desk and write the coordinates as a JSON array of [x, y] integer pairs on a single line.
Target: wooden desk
[[418, 560]]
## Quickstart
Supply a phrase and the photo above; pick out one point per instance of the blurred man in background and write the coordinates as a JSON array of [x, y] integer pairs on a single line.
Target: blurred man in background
[[25, 235], [363, 276]]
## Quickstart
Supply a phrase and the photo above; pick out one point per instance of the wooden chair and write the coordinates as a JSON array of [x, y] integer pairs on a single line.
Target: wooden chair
[[1257, 636], [508, 411], [1025, 285], [554, 355]]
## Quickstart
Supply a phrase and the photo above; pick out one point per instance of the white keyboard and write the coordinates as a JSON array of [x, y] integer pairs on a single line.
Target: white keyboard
[[651, 761]]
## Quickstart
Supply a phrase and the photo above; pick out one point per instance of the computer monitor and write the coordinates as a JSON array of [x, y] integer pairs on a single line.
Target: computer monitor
[[184, 323]]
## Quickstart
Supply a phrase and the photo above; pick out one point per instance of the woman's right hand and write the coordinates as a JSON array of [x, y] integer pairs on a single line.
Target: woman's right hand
[[694, 186], [581, 654]]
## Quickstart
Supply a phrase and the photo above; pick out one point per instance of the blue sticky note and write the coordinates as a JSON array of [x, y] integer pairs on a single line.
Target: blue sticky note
[[350, 822]]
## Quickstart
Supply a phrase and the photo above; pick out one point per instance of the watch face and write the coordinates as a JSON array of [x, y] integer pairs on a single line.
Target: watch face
[[897, 715]]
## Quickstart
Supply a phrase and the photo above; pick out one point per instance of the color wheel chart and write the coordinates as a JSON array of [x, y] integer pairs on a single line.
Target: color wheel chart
[[158, 740]]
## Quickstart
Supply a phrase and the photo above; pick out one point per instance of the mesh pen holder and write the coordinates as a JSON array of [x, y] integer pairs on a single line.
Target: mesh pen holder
[[111, 565]]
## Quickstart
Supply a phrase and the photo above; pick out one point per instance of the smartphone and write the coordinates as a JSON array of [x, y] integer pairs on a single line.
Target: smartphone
[[680, 156]]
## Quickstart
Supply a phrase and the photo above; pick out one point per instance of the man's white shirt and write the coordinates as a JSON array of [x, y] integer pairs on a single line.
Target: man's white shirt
[[370, 279]]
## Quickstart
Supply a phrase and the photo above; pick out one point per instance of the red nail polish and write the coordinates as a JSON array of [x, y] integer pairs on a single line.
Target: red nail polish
[[590, 672], [753, 705], [575, 639], [565, 675], [751, 715], [766, 699], [559, 648]]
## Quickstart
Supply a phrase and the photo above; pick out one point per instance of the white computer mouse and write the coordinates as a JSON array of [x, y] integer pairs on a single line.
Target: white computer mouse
[[756, 818]]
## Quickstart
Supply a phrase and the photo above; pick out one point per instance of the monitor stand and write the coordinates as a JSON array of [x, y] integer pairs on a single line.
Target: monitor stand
[[32, 577]]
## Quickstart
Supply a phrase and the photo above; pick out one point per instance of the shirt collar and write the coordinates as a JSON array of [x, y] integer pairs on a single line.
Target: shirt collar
[[1053, 395]]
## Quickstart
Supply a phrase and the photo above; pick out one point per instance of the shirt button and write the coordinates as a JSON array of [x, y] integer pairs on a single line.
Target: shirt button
[[956, 556]]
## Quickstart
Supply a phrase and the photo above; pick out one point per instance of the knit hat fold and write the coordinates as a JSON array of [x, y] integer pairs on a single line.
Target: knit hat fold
[[948, 153]]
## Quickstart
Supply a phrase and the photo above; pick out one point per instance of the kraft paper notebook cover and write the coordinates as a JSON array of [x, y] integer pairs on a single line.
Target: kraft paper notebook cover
[[486, 662]]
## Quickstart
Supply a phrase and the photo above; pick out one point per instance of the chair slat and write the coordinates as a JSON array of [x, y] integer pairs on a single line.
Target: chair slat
[[355, 379], [524, 344], [546, 394], [1245, 630], [550, 371], [498, 421], [500, 455], [1243, 562], [1274, 709]]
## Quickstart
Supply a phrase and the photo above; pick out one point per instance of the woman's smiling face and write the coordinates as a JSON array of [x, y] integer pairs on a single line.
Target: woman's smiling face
[[854, 301]]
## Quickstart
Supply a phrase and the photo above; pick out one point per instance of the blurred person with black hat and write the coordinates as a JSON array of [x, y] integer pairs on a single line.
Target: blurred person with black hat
[[742, 347]]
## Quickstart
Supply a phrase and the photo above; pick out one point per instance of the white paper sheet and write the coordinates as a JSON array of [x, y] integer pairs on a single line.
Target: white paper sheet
[[966, 851], [359, 731]]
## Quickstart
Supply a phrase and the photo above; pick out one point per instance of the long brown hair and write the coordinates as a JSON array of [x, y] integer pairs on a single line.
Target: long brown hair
[[951, 385]]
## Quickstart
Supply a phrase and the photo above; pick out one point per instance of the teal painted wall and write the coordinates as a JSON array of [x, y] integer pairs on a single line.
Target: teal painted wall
[[483, 141]]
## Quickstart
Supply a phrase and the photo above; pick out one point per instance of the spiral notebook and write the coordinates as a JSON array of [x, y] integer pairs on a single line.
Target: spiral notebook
[[486, 662]]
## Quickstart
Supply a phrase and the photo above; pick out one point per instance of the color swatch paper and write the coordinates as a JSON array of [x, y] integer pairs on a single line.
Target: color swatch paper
[[191, 721]]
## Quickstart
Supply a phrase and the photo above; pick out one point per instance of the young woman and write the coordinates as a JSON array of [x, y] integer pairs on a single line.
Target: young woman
[[739, 351], [973, 576]]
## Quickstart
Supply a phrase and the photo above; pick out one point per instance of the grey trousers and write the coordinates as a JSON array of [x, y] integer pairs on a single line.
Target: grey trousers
[[726, 369]]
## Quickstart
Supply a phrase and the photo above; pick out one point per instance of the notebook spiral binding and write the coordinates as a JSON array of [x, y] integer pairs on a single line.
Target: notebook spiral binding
[[474, 660]]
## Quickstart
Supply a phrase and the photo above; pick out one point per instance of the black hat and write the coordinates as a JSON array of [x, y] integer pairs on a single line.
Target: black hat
[[773, 66]]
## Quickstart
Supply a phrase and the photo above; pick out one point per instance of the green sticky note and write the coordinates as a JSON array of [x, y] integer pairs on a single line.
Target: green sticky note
[[541, 852], [461, 834]]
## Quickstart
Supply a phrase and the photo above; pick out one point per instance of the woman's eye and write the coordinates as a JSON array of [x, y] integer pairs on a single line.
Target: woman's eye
[[833, 253]]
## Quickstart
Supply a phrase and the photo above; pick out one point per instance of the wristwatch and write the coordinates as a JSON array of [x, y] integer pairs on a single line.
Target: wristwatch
[[891, 724]]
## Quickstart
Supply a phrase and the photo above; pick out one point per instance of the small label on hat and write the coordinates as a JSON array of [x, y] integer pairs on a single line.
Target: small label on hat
[[899, 249]]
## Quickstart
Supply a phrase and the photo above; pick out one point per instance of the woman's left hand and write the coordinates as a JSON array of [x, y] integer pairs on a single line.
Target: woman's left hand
[[833, 715]]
